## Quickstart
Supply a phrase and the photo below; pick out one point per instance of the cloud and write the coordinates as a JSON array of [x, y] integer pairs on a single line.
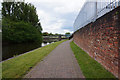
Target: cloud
[[57, 16], [49, 22]]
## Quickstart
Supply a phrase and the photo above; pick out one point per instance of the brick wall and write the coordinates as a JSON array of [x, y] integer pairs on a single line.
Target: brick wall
[[101, 40]]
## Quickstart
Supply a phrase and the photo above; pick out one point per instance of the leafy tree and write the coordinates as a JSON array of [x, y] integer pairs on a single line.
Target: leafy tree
[[20, 23], [17, 32], [67, 33], [56, 34], [51, 34], [45, 34], [20, 11]]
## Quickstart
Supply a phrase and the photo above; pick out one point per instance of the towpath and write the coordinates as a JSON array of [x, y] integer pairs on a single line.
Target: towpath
[[60, 63]]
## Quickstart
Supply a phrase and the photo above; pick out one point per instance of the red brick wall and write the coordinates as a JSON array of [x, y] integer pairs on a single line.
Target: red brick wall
[[101, 40]]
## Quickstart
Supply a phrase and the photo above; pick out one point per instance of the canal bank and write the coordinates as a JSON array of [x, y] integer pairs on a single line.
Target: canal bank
[[19, 66], [43, 44], [13, 50]]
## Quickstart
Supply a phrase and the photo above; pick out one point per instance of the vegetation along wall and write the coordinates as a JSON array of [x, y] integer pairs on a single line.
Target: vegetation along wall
[[101, 40]]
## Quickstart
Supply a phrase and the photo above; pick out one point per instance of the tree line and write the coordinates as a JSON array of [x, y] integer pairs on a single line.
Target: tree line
[[56, 34], [20, 23]]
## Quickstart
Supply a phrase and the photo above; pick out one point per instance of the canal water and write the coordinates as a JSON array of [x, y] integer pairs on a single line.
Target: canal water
[[12, 50]]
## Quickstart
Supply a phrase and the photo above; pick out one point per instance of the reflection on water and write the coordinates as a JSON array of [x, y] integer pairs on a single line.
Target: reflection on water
[[44, 44], [12, 50]]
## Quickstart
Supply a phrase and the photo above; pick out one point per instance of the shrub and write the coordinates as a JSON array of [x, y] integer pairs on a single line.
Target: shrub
[[18, 32]]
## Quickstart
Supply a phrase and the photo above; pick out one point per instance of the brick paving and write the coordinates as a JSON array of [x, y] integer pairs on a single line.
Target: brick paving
[[60, 63]]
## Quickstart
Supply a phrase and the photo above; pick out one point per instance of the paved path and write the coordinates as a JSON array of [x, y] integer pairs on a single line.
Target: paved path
[[60, 63]]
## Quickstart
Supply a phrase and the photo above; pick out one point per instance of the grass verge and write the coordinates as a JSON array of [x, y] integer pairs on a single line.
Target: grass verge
[[90, 68], [19, 66]]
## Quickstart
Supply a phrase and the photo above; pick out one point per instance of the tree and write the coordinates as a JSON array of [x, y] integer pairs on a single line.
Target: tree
[[20, 11], [20, 23], [25, 33], [67, 33], [45, 34], [51, 34], [56, 34]]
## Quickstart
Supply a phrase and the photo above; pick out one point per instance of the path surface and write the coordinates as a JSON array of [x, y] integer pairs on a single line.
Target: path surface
[[60, 63]]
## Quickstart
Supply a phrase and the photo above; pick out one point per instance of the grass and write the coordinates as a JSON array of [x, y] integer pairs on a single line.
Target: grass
[[19, 66], [90, 68]]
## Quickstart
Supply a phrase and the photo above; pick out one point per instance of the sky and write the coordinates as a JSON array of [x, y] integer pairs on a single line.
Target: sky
[[57, 16]]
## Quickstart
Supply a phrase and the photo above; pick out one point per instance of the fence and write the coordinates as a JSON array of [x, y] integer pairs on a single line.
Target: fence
[[92, 10]]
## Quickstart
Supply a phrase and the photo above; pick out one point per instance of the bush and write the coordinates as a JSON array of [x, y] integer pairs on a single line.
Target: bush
[[19, 32]]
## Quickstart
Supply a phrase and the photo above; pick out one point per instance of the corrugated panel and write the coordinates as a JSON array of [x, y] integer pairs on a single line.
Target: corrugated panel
[[92, 10]]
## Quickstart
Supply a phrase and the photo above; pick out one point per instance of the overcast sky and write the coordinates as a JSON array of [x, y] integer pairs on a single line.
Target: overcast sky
[[57, 16]]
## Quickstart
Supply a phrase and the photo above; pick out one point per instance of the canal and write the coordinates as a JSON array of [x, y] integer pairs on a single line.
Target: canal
[[12, 50]]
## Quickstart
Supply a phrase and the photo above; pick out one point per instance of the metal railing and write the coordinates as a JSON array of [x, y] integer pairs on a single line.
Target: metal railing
[[92, 10]]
